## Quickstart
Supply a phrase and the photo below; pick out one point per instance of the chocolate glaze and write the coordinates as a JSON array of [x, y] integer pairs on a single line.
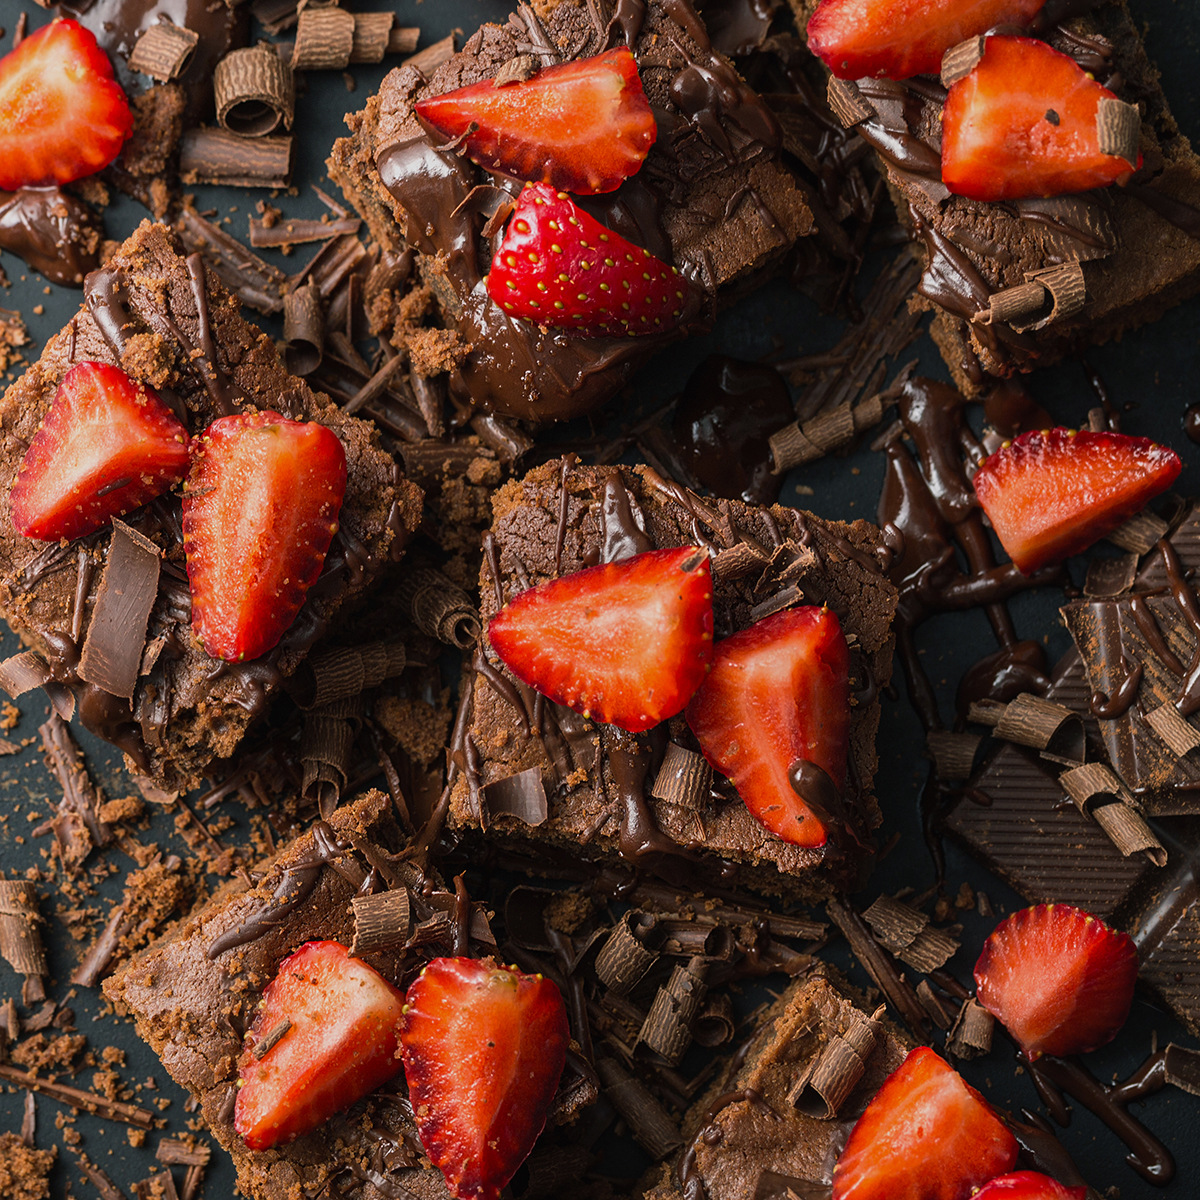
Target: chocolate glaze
[[54, 233], [1108, 709], [623, 536], [639, 837]]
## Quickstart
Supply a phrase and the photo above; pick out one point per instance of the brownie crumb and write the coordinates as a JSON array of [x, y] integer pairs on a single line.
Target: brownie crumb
[[42, 1053], [420, 729], [433, 351], [126, 808], [24, 1171]]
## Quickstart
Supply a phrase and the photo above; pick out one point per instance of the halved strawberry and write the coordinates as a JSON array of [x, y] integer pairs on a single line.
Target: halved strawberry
[[1053, 493], [583, 126], [1023, 123], [1057, 978], [484, 1047], [625, 642], [1029, 1185], [106, 445], [927, 1135], [260, 508], [778, 692], [330, 1024], [62, 115], [560, 267], [894, 39]]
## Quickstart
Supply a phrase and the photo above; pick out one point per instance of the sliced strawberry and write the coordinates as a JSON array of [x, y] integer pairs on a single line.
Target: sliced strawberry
[[1057, 978], [777, 693], [626, 642], [62, 115], [898, 38], [927, 1135], [1029, 1185], [338, 1019], [1023, 123], [260, 509], [560, 267], [484, 1047], [1053, 493], [583, 126], [106, 445]]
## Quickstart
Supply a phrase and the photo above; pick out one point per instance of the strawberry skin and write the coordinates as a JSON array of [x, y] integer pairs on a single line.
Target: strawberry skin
[[260, 508], [927, 1135], [583, 126], [777, 692], [894, 39], [1052, 493], [1057, 978], [1029, 1185], [106, 445], [62, 115], [560, 267], [341, 1044], [1023, 123], [627, 643], [484, 1047]]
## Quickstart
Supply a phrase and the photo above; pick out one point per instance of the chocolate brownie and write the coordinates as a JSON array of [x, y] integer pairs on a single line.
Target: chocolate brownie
[[170, 707], [712, 198], [1138, 246], [593, 790]]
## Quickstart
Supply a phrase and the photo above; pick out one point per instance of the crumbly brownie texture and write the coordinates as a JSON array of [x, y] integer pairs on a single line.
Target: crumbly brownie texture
[[142, 312], [1139, 246], [711, 198], [759, 554]]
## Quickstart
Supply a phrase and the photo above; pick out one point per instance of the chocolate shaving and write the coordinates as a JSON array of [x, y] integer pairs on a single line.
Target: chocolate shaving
[[830, 1077], [1140, 534], [116, 634], [432, 57], [372, 33], [324, 40], [1174, 729], [403, 39], [668, 1026], [1128, 831], [176, 1152], [971, 1034], [256, 283], [847, 102], [1010, 305], [303, 329], [1091, 782], [98, 1179], [98, 958], [941, 1016], [80, 796], [625, 958], [20, 939], [930, 949], [517, 70], [191, 1182], [296, 231], [959, 61], [380, 922], [685, 938], [272, 1039], [1068, 293], [953, 754], [1108, 577], [684, 778], [208, 155], [737, 562], [92, 1102], [772, 1185], [522, 795], [328, 742], [23, 672], [1118, 129], [716, 1023], [648, 1120], [895, 923], [440, 608], [804, 442], [163, 51], [254, 91], [275, 15], [338, 674], [1052, 728]]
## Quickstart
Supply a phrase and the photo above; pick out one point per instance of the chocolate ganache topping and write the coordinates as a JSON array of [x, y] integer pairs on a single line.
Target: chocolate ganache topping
[[54, 233]]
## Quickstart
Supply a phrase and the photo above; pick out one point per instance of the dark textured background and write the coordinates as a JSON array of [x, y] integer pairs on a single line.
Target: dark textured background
[[1152, 374]]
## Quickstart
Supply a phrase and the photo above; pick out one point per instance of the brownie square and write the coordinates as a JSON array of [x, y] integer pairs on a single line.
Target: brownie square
[[143, 312], [711, 199], [537, 770]]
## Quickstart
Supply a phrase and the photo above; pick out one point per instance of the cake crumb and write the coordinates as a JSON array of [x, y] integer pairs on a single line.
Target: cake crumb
[[24, 1171]]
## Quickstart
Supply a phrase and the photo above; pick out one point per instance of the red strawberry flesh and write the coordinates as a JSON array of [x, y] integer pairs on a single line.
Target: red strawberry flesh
[[339, 1043], [927, 1135], [484, 1047], [106, 445], [778, 693], [583, 126], [1052, 494], [1029, 1185], [1058, 979], [626, 643]]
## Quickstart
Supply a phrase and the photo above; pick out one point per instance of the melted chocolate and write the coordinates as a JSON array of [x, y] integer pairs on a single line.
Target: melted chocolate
[[623, 536], [54, 233]]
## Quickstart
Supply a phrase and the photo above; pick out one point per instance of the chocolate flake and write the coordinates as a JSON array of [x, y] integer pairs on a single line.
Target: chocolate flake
[[894, 923], [832, 1075], [257, 284], [328, 743], [803, 442], [98, 958], [684, 778], [847, 102], [520, 69], [176, 1152], [1108, 577], [296, 231], [324, 40], [1052, 728], [278, 1032], [432, 57], [403, 39], [93, 1102], [1140, 534], [522, 795], [934, 1006], [303, 329], [1118, 129], [971, 1034], [625, 958], [667, 1029], [254, 91], [81, 798], [372, 32], [1129, 832], [20, 939], [648, 1120], [959, 61], [716, 1023], [930, 949], [339, 674], [163, 51], [953, 754], [440, 608], [380, 922], [1174, 729], [23, 672], [98, 1179], [208, 155]]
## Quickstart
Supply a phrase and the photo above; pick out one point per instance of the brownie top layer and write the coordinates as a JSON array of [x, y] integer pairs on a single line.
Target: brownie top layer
[[562, 517], [169, 324], [711, 198]]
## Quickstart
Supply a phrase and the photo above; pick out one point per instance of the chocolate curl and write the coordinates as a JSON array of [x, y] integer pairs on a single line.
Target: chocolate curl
[[430, 395], [522, 795], [163, 51], [800, 443], [737, 562], [953, 754], [116, 634], [324, 40], [959, 61], [941, 1016], [716, 1022], [906, 933], [328, 742], [971, 1034], [254, 91], [20, 939], [668, 1026], [303, 330], [1109, 577], [403, 39], [256, 283], [847, 102], [1011, 304], [1024, 307], [684, 778], [625, 958], [833, 1074], [380, 922], [556, 1170], [1098, 793], [372, 33], [432, 57], [440, 608], [208, 155], [1041, 724], [92, 1102], [1118, 129], [23, 672], [648, 1120], [684, 938], [1174, 729], [340, 674], [1139, 534]]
